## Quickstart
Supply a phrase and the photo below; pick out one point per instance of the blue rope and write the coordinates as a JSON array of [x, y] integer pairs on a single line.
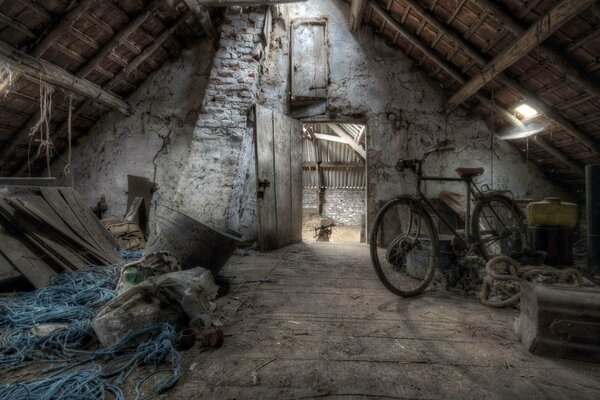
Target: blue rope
[[73, 299]]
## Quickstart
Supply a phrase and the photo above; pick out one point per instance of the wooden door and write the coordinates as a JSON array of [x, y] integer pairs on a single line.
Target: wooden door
[[309, 59], [279, 179]]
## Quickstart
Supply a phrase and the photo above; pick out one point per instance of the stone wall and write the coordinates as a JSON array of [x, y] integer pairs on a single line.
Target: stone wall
[[343, 206], [189, 132], [220, 172], [371, 80], [153, 142]]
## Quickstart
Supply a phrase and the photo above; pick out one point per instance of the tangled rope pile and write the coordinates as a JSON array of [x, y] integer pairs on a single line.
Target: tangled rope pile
[[80, 371], [504, 276]]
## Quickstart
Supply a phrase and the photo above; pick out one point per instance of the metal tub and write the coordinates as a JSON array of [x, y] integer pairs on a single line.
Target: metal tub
[[196, 244]]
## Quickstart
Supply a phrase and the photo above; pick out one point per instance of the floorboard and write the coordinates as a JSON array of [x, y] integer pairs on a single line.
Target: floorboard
[[311, 321]]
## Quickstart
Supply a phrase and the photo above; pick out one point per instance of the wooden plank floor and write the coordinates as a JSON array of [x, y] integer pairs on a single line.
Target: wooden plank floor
[[312, 321]]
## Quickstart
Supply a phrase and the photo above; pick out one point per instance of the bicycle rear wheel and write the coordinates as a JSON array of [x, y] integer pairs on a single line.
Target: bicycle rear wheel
[[498, 227], [404, 247]]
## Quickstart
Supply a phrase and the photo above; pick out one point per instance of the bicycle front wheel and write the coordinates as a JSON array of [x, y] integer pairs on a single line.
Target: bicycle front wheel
[[404, 247]]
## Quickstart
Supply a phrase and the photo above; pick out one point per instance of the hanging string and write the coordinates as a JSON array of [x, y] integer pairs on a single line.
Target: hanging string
[[43, 127], [68, 170]]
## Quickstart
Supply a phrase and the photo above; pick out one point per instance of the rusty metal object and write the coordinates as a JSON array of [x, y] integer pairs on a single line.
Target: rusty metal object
[[196, 244], [560, 321], [211, 337]]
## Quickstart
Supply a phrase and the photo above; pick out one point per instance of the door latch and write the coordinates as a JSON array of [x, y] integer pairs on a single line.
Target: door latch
[[262, 185]]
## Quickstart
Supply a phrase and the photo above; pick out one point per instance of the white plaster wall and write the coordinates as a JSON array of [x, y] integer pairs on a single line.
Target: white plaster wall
[[153, 142], [371, 79]]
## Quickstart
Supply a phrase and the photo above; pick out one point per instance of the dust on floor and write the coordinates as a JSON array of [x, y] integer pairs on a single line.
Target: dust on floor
[[313, 321]]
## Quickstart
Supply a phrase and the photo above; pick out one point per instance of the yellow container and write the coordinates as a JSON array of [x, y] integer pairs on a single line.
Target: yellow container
[[552, 212]]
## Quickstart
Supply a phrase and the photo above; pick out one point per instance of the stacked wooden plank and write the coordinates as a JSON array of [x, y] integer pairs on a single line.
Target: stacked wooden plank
[[49, 230]]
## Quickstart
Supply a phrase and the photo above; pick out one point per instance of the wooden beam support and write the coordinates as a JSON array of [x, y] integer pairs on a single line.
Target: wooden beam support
[[91, 65], [532, 38], [119, 39], [203, 18], [27, 65], [460, 78], [361, 134], [572, 72], [357, 10], [549, 112], [13, 23], [62, 27], [329, 138], [133, 65], [349, 140]]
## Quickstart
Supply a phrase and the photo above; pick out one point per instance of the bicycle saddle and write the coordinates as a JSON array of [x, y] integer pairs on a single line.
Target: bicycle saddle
[[469, 172]]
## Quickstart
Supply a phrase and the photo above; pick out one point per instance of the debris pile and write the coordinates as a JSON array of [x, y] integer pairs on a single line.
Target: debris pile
[[46, 231]]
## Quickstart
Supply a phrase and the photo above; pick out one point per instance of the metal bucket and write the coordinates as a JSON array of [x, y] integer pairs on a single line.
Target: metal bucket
[[196, 244]]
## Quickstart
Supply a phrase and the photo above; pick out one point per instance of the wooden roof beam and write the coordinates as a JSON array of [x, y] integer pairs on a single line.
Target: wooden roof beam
[[572, 72], [120, 38], [203, 18], [25, 64], [94, 64], [62, 27], [329, 138], [13, 23], [120, 76], [549, 112], [358, 149], [532, 38], [460, 78], [357, 10]]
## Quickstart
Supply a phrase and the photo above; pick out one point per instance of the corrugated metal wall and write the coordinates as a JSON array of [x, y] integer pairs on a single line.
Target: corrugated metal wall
[[332, 152]]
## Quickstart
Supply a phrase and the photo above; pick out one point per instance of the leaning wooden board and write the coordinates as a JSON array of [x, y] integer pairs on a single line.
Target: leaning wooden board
[[39, 209], [91, 224], [61, 207], [22, 258], [46, 231], [33, 234]]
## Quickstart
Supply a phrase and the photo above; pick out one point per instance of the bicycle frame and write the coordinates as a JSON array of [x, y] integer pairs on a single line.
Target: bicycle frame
[[472, 190]]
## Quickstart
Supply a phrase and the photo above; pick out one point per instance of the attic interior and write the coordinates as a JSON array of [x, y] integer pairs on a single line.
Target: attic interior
[[299, 199]]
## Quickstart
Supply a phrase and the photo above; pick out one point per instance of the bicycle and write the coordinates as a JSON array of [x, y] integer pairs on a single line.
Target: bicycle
[[404, 241]]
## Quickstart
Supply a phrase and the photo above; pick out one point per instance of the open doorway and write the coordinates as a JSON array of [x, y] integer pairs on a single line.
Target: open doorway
[[334, 182]]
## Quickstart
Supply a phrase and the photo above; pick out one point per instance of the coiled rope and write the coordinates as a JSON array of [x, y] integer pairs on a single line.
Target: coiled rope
[[73, 299], [504, 276]]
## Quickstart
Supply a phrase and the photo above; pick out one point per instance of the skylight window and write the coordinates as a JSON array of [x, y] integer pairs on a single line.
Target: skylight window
[[525, 111]]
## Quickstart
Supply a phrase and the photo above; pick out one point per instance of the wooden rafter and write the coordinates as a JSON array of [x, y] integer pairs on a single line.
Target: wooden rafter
[[25, 64], [536, 34], [572, 72], [328, 138], [120, 77], [16, 25], [203, 18], [118, 39], [549, 112], [357, 10], [94, 64], [461, 79], [349, 140], [68, 20]]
